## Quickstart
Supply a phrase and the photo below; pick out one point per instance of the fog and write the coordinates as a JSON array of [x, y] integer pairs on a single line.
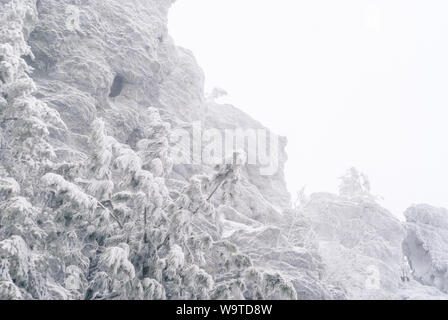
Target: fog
[[350, 83]]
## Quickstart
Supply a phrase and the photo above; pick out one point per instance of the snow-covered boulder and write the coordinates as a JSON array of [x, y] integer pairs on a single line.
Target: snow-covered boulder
[[426, 245]]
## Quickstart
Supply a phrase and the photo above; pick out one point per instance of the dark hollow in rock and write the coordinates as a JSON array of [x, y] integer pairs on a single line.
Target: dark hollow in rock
[[117, 86]]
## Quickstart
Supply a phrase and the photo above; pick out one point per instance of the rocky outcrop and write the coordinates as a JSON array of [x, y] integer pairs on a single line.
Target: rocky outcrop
[[270, 247], [112, 60], [426, 245], [359, 241]]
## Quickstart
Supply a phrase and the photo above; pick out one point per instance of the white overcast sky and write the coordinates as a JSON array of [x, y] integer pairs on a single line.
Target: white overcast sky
[[359, 83]]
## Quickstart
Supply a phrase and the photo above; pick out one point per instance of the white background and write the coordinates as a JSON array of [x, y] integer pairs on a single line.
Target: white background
[[349, 82]]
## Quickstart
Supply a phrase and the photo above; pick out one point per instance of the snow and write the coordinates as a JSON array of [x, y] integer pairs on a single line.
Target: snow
[[68, 190], [92, 207], [9, 187], [115, 261], [359, 241], [425, 245]]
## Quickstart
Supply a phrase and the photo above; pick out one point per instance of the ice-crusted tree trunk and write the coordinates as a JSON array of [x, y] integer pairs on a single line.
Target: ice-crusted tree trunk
[[100, 182], [196, 237], [144, 193]]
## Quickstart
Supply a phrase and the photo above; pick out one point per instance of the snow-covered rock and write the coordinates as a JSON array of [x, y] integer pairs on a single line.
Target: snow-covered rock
[[426, 245], [92, 207], [359, 241]]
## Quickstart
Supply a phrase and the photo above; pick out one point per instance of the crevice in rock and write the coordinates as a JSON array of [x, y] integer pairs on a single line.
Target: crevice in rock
[[117, 86]]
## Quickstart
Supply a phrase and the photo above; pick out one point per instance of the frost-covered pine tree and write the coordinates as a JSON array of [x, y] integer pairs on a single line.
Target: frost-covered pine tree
[[21, 272], [154, 149], [353, 184], [216, 94], [197, 236], [26, 121], [137, 201], [99, 183]]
